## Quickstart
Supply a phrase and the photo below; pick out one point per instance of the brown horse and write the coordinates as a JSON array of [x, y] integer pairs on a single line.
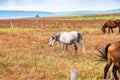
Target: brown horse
[[110, 24], [111, 54]]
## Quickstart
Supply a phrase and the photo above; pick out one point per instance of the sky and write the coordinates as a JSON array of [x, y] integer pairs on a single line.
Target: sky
[[59, 5]]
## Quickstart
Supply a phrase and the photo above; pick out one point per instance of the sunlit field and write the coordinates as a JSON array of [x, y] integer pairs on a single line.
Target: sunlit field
[[26, 55]]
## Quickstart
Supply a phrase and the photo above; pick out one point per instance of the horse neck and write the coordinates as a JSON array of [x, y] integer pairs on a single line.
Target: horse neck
[[105, 26], [58, 36], [117, 23]]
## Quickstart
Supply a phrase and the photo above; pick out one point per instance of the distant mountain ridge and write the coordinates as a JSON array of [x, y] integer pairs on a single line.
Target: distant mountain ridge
[[6, 14], [90, 12], [22, 14]]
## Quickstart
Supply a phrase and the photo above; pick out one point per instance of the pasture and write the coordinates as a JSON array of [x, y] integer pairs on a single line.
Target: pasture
[[26, 55]]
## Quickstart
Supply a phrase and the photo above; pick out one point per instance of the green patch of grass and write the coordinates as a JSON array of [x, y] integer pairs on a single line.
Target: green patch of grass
[[17, 29], [97, 18], [40, 62], [93, 18], [5, 62], [88, 29]]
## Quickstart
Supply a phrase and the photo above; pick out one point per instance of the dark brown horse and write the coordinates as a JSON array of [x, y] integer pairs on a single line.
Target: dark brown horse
[[111, 54], [110, 24]]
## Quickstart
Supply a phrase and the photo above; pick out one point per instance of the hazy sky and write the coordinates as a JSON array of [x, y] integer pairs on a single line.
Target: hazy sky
[[59, 5]]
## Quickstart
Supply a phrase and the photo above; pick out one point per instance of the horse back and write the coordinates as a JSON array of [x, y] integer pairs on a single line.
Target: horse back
[[111, 24], [76, 35], [70, 36]]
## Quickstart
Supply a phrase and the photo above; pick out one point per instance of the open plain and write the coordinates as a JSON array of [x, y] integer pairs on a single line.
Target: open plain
[[26, 55]]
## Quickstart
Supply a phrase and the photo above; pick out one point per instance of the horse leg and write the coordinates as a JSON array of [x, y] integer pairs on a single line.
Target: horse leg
[[75, 46], [62, 46], [119, 70], [108, 30], [119, 73], [112, 30], [115, 68], [66, 47], [107, 68], [119, 29]]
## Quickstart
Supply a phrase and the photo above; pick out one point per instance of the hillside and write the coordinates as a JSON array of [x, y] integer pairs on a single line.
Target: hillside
[[95, 12]]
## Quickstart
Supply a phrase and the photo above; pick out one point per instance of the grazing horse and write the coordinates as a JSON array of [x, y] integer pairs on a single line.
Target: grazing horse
[[111, 54], [67, 38], [110, 25]]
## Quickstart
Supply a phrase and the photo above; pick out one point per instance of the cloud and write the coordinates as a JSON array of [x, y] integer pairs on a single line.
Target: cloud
[[2, 2], [20, 2], [58, 5], [54, 5]]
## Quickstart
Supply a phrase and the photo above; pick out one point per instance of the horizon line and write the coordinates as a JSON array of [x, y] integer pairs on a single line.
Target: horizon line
[[59, 11]]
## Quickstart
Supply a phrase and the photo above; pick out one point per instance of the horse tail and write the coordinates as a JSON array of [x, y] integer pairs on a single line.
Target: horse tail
[[103, 53], [79, 37], [106, 51], [104, 56], [80, 40]]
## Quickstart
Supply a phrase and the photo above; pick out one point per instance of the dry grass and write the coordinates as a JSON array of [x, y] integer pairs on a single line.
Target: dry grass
[[25, 55]]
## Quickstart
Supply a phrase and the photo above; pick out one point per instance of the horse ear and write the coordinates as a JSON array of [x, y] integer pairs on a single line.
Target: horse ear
[[53, 33], [51, 36]]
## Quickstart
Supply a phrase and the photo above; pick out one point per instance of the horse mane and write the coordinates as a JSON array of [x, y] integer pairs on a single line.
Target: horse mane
[[117, 22], [104, 26], [58, 36]]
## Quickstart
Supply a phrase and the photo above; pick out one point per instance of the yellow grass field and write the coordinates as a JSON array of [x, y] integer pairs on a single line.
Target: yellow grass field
[[26, 55]]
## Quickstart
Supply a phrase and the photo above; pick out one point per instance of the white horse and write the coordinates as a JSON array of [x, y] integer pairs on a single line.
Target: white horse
[[67, 38]]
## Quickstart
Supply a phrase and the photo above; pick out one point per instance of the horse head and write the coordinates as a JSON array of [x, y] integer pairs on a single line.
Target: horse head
[[103, 30], [53, 39], [117, 22]]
